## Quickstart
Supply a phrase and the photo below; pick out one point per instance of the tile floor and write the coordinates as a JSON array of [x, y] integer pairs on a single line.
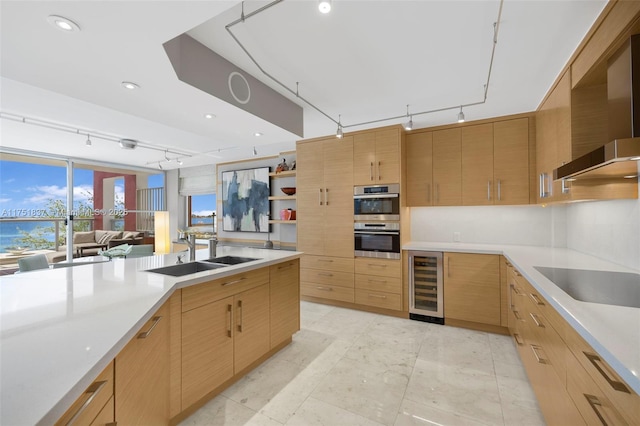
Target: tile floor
[[348, 367]]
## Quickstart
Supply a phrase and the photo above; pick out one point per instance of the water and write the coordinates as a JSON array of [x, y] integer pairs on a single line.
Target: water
[[10, 233]]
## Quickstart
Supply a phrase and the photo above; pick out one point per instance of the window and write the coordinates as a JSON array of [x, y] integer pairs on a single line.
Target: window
[[201, 210]]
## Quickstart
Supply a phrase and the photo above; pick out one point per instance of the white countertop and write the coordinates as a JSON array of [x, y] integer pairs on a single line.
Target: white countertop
[[59, 328], [613, 331]]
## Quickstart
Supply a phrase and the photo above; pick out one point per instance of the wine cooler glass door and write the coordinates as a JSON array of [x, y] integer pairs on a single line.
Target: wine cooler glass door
[[426, 283]]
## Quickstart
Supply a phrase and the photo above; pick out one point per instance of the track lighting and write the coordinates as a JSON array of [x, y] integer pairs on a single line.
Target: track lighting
[[179, 162], [255, 151], [168, 160], [409, 124], [324, 6], [88, 142], [461, 115], [160, 166], [339, 133]]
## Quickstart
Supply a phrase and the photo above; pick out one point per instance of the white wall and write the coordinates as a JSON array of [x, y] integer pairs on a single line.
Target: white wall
[[527, 225], [606, 229]]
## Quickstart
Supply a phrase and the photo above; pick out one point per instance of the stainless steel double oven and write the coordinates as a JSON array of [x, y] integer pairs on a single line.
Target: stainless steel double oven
[[376, 214]]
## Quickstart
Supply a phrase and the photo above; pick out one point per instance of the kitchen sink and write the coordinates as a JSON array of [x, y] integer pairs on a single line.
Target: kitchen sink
[[605, 287], [186, 268], [231, 260]]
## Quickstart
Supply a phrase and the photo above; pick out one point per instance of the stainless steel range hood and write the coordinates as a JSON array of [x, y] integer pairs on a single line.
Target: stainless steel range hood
[[618, 158]]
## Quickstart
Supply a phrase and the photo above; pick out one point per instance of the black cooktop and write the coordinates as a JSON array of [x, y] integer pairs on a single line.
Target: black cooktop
[[606, 287]]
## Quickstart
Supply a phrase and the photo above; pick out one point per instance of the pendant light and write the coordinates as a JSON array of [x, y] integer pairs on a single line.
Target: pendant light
[[408, 126], [339, 133], [461, 115]]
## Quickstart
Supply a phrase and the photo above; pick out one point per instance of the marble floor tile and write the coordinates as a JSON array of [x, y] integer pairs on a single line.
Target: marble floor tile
[[318, 413], [447, 387], [416, 414], [372, 395], [348, 367]]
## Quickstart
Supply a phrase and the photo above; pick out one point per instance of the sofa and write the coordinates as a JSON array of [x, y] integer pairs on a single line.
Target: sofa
[[84, 242]]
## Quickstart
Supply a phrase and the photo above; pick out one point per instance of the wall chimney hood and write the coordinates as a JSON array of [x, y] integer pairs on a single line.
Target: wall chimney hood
[[618, 158]]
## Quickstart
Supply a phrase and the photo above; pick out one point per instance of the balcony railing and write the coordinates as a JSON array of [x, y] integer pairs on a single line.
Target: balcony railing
[[55, 223]]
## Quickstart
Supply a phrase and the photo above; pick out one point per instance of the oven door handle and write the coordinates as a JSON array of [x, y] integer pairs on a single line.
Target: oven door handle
[[368, 196], [378, 232]]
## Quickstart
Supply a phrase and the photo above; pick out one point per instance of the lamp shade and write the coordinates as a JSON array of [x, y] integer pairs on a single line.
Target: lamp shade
[[161, 228]]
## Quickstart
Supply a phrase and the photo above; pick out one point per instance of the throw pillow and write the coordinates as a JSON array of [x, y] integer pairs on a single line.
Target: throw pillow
[[105, 238], [84, 237]]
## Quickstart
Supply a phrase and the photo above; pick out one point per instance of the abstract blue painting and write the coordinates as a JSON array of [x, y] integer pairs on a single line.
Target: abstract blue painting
[[245, 200]]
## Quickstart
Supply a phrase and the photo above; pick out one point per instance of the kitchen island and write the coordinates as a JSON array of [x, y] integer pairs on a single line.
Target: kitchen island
[[60, 328]]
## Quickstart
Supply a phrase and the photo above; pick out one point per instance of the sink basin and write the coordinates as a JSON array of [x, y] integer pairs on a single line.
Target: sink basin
[[605, 287], [231, 260], [186, 268]]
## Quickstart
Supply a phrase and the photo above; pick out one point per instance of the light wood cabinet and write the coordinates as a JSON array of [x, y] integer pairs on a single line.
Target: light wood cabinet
[[325, 197], [376, 157], [285, 300], [378, 283], [472, 288], [447, 167], [207, 349], [225, 327], [95, 406], [327, 277], [511, 162], [419, 154], [142, 374], [477, 165], [572, 383]]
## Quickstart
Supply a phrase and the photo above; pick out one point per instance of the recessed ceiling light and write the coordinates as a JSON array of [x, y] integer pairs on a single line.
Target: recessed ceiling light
[[257, 134], [130, 85], [63, 24], [324, 6], [209, 116]]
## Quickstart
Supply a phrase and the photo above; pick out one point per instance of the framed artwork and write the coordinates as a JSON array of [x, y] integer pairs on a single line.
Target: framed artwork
[[245, 200]]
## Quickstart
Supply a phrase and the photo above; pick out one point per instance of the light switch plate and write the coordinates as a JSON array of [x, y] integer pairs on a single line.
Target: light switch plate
[[456, 237]]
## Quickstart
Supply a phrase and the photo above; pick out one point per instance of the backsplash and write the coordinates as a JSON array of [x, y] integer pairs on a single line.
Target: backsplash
[[527, 225], [606, 229]]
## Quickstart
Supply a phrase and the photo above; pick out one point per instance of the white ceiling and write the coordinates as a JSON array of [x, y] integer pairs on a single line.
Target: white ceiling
[[366, 60]]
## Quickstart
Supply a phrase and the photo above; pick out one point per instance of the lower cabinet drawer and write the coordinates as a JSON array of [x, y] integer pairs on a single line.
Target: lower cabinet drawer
[[614, 388], [327, 291], [320, 276], [594, 406], [90, 404], [379, 267], [379, 283], [379, 299], [105, 417], [337, 264]]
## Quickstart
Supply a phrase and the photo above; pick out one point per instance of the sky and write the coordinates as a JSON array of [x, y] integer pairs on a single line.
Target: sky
[[27, 187]]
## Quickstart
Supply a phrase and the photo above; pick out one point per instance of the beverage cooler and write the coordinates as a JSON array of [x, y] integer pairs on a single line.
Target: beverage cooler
[[426, 301]]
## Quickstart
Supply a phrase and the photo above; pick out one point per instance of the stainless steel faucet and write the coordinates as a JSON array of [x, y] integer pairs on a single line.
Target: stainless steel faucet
[[191, 242]]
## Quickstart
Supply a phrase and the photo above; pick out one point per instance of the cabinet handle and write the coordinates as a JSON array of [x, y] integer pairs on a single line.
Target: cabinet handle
[[517, 274], [371, 280], [541, 185], [536, 299], [326, 196], [320, 196], [325, 260], [565, 189], [518, 339], [437, 193], [325, 274], [378, 296], [377, 265], [499, 190], [536, 320], [324, 288], [488, 190], [429, 193], [615, 384], [379, 177], [448, 267], [147, 333], [240, 309], [517, 315], [515, 290], [233, 282], [371, 171], [540, 360], [595, 404], [230, 312], [92, 391]]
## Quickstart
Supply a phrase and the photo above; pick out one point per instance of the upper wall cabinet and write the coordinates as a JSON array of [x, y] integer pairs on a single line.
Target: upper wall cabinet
[[484, 164], [376, 157]]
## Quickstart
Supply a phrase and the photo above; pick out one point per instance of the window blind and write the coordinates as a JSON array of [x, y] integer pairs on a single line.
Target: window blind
[[197, 180]]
